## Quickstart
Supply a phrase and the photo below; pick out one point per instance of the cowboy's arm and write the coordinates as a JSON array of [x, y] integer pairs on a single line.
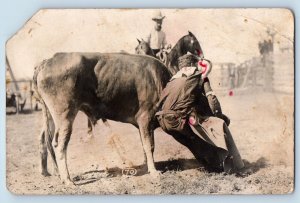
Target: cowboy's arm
[[164, 41], [213, 101]]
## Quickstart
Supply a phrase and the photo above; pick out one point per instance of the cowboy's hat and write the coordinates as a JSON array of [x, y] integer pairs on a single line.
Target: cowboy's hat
[[158, 16]]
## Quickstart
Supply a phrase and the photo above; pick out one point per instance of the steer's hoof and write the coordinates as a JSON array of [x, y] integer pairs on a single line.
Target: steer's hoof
[[45, 173], [155, 174], [55, 171], [155, 178], [68, 183]]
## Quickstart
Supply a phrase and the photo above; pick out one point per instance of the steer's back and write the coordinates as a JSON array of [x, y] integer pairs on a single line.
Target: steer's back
[[113, 86]]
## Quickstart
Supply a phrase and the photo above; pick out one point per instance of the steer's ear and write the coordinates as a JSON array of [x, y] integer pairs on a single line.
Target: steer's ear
[[139, 41]]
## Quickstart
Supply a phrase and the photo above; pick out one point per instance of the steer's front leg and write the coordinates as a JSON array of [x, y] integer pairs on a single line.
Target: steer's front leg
[[147, 138]]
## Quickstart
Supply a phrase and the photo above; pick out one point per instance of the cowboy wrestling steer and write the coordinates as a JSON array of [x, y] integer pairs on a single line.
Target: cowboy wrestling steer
[[120, 87]]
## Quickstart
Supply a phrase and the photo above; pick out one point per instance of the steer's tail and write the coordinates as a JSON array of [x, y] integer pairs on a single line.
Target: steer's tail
[[46, 114]]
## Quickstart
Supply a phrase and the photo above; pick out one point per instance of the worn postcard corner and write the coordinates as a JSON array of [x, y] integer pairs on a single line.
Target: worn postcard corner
[[151, 101]]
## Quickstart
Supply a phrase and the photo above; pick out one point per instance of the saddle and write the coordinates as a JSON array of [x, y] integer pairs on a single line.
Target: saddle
[[162, 55]]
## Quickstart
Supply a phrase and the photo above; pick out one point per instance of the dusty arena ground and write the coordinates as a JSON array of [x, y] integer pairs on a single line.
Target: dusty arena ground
[[262, 125]]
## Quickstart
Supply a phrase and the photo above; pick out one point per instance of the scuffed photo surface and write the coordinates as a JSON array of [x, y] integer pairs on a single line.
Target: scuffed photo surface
[[252, 52]]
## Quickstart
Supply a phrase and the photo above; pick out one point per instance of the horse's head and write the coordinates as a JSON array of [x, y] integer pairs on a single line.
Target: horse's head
[[143, 48], [192, 45]]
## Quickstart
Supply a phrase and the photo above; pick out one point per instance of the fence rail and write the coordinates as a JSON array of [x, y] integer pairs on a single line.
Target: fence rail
[[271, 72]]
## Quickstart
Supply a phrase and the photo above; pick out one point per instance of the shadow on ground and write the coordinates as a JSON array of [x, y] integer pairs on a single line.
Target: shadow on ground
[[257, 165], [162, 166], [10, 111]]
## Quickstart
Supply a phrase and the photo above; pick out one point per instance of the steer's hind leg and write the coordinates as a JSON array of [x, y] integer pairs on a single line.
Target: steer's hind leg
[[43, 147], [61, 139], [147, 138], [43, 154]]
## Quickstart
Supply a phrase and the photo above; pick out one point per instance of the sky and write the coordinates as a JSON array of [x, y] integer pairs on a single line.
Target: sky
[[225, 35]]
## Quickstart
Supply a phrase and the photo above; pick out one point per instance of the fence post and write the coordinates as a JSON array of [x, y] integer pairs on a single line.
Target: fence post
[[268, 67], [31, 93], [17, 104]]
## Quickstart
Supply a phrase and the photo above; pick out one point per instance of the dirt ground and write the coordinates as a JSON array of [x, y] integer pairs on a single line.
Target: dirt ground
[[262, 125]]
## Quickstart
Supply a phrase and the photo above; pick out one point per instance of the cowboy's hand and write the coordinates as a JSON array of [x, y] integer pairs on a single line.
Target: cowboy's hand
[[226, 119], [158, 54], [205, 67]]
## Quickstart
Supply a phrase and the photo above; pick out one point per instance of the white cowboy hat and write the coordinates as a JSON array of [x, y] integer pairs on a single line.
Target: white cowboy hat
[[158, 16]]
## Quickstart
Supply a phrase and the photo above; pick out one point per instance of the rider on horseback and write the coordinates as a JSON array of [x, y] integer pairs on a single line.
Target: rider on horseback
[[157, 37]]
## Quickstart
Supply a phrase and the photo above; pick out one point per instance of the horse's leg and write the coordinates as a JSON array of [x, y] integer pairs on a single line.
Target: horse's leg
[[147, 137]]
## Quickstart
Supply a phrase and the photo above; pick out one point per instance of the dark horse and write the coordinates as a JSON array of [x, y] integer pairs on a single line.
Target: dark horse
[[187, 43], [115, 86]]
